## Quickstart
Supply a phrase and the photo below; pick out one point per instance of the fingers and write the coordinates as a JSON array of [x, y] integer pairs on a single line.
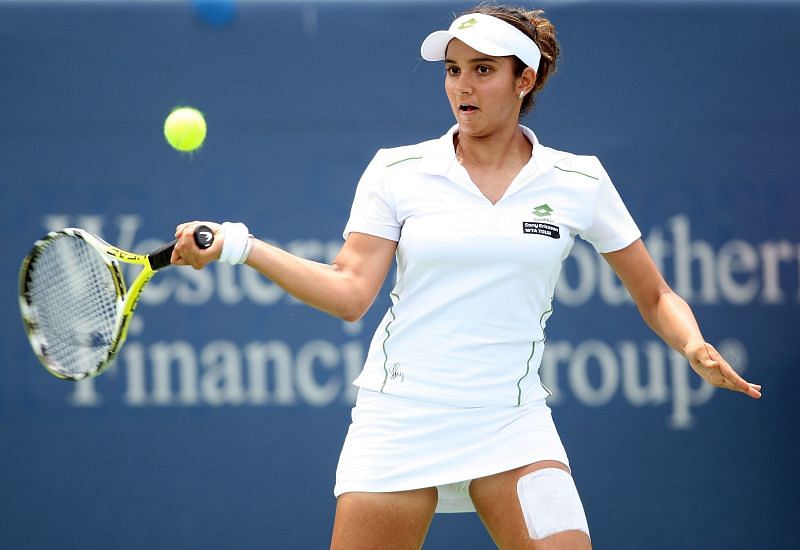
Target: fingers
[[186, 251], [751, 390], [754, 391], [180, 228], [732, 377], [737, 382], [728, 378], [176, 259]]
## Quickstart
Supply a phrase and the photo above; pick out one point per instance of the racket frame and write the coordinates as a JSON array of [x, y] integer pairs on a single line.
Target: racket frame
[[126, 299]]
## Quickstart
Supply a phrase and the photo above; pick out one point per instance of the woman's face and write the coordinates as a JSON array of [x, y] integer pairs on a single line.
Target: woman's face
[[482, 89]]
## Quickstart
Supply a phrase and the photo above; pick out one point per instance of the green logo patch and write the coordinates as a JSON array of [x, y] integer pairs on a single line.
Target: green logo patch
[[468, 23], [543, 210]]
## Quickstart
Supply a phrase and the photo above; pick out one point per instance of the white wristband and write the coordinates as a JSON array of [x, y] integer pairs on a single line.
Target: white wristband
[[237, 243]]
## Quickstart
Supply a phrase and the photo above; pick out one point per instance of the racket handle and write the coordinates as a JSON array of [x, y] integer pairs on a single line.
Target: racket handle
[[203, 238]]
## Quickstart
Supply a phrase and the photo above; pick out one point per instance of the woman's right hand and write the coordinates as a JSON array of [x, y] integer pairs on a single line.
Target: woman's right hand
[[187, 252]]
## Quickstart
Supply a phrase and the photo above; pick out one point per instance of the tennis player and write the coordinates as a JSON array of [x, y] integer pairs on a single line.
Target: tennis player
[[451, 414]]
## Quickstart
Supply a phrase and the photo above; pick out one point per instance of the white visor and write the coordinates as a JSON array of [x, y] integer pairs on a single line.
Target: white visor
[[485, 34]]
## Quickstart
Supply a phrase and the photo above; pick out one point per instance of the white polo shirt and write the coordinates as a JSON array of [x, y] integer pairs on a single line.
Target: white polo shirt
[[475, 280]]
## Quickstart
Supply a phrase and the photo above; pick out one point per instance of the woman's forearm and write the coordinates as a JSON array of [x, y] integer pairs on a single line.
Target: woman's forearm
[[671, 318], [322, 286]]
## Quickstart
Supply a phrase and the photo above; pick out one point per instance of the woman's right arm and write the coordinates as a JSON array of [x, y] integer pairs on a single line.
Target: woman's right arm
[[346, 288]]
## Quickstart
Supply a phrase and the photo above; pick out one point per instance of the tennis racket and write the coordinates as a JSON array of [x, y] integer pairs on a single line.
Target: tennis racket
[[73, 300]]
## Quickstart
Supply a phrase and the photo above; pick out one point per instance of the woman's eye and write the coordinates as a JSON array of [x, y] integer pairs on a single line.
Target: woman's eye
[[452, 70], [483, 69]]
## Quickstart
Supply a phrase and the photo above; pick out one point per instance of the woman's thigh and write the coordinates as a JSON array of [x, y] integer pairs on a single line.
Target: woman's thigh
[[497, 502], [397, 520]]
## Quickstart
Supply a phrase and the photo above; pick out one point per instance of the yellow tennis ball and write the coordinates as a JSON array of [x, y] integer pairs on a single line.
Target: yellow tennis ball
[[185, 129]]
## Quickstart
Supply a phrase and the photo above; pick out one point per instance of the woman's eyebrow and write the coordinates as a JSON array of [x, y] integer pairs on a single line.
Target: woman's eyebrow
[[475, 60]]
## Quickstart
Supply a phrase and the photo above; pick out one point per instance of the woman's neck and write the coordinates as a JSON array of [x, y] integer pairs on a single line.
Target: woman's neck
[[510, 147]]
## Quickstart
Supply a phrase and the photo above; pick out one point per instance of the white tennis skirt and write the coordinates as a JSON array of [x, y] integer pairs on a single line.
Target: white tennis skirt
[[398, 444]]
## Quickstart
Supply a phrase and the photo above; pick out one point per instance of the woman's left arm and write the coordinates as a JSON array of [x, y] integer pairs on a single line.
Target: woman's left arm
[[672, 319]]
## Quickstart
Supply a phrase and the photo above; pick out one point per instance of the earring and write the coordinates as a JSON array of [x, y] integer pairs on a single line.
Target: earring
[[521, 94]]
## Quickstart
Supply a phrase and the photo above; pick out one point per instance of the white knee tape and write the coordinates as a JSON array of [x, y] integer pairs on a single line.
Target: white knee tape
[[550, 503]]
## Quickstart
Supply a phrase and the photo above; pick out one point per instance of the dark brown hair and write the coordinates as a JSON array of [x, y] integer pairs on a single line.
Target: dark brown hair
[[539, 29]]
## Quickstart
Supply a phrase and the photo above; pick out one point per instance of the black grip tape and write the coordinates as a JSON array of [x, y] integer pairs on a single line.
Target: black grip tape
[[160, 258], [203, 238]]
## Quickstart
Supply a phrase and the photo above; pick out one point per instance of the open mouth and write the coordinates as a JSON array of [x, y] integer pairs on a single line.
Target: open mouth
[[466, 108]]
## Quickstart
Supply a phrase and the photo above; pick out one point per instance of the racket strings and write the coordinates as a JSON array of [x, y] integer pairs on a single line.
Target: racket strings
[[74, 304]]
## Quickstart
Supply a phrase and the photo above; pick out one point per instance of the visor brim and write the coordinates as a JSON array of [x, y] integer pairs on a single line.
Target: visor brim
[[434, 47]]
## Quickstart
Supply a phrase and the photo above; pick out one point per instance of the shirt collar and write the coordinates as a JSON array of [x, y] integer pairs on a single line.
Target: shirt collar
[[439, 155]]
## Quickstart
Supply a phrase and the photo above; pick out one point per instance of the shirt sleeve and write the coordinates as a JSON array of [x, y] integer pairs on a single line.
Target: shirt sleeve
[[373, 211], [612, 226]]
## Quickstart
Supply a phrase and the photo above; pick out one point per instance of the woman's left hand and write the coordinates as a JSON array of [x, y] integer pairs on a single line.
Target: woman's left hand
[[714, 369]]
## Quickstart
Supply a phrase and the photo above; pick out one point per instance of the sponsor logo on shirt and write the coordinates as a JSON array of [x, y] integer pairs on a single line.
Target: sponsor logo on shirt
[[396, 373], [541, 227], [542, 211]]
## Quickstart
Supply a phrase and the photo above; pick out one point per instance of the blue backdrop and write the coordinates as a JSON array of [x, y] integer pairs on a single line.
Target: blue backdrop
[[220, 425]]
